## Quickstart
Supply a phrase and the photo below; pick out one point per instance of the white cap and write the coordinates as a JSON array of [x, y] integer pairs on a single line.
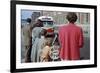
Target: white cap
[[45, 18]]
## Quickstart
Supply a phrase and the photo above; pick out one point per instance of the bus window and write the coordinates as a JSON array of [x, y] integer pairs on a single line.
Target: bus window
[[48, 23]]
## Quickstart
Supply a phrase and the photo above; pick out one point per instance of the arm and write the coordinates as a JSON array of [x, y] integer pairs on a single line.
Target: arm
[[81, 39]]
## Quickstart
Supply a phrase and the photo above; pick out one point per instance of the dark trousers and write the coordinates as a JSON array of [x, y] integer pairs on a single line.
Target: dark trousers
[[28, 53]]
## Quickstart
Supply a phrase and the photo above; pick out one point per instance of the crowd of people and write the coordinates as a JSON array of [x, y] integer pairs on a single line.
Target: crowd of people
[[39, 45]]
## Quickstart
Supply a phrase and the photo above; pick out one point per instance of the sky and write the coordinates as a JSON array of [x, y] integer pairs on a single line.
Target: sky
[[26, 14]]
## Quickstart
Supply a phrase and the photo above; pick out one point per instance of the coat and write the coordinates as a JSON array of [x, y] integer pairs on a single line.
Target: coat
[[71, 40], [36, 33], [27, 33], [37, 44]]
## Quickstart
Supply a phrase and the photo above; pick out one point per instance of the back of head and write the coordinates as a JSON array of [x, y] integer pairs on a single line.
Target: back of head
[[28, 20], [71, 17], [39, 23]]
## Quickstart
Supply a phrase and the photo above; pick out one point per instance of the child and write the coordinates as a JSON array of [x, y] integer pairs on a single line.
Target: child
[[46, 51]]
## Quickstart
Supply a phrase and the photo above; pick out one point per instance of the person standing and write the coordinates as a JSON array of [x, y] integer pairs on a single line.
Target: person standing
[[46, 50], [35, 41], [71, 39], [27, 35], [36, 31]]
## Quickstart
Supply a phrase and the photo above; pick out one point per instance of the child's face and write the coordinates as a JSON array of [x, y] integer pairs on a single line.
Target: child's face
[[49, 41]]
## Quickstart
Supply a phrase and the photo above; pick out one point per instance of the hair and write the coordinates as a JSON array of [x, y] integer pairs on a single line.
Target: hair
[[50, 35], [28, 20], [39, 20], [71, 17], [43, 32], [40, 23]]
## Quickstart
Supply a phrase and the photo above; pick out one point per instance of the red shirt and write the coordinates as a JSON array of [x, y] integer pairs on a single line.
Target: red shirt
[[71, 39]]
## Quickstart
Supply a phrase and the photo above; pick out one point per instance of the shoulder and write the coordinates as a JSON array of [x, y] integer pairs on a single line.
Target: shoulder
[[46, 48], [36, 29], [79, 28], [62, 27]]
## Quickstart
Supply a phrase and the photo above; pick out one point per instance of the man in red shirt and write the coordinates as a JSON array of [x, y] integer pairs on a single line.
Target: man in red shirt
[[71, 39]]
